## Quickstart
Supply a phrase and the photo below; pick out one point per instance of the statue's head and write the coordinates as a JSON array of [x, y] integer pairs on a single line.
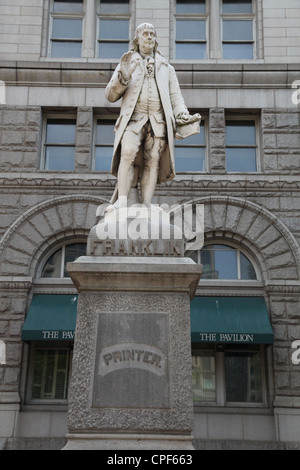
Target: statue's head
[[145, 38]]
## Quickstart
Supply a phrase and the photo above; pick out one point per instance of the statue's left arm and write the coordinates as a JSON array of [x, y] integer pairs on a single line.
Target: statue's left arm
[[176, 97], [180, 111]]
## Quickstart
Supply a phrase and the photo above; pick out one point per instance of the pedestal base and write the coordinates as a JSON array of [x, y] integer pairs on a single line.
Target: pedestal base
[[131, 384], [128, 442]]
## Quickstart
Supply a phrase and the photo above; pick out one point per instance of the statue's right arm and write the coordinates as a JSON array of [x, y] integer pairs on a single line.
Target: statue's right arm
[[116, 86]]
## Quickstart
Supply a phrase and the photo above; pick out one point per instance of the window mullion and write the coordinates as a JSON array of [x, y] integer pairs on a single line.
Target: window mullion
[[54, 375], [215, 49], [62, 266], [238, 260], [89, 29], [220, 378]]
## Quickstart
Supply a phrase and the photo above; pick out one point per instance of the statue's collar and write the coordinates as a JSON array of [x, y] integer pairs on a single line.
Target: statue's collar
[[159, 59]]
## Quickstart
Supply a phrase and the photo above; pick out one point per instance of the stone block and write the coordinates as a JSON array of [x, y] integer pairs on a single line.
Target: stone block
[[14, 117], [269, 141], [217, 161], [288, 425], [268, 120], [11, 376], [259, 428], [281, 356], [225, 426], [85, 117], [245, 222], [7, 422], [283, 273], [83, 138], [217, 119], [288, 140], [293, 309], [270, 162], [217, 139], [232, 217], [287, 120], [10, 137], [289, 162]]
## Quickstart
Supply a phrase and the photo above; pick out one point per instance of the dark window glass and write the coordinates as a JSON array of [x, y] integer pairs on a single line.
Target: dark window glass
[[55, 266], [237, 6], [72, 252], [241, 146], [190, 6], [104, 144], [243, 377], [190, 152], [225, 262], [114, 7], [190, 29], [113, 38], [237, 30], [68, 5], [67, 28], [60, 144], [204, 376], [50, 374]]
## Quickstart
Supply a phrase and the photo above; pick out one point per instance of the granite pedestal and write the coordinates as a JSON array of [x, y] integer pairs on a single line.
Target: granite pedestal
[[131, 385]]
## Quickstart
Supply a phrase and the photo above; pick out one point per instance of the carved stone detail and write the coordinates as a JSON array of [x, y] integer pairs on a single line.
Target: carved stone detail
[[178, 417]]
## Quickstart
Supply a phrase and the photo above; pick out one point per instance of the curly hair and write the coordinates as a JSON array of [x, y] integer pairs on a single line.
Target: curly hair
[[140, 29]]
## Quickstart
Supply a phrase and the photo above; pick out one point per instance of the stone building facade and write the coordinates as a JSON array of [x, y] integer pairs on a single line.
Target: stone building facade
[[251, 212]]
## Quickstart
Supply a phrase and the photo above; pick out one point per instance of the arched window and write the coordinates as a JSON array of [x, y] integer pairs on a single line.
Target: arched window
[[224, 262], [55, 266]]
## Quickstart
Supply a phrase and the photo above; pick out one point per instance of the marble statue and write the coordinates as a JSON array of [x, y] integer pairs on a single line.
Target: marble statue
[[152, 113]]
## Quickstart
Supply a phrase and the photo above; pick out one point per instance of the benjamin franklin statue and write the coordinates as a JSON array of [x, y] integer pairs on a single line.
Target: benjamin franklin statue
[[152, 111]]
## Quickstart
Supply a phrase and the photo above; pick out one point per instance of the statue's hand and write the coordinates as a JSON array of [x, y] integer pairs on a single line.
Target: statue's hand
[[186, 118], [127, 65]]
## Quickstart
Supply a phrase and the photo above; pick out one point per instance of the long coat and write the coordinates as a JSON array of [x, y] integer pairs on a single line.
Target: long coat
[[172, 103]]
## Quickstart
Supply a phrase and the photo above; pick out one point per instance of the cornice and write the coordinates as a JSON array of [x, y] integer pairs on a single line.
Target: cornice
[[191, 75], [282, 287], [21, 284], [192, 181]]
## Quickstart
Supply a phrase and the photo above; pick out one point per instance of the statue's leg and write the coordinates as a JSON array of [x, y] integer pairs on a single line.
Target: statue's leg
[[130, 144], [153, 150]]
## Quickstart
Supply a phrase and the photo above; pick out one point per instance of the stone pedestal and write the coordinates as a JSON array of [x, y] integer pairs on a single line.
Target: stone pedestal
[[131, 382]]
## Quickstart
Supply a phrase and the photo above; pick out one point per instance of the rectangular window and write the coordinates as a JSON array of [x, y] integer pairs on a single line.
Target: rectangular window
[[237, 20], [66, 29], [59, 146], [243, 377], [113, 28], [217, 29], [104, 143], [190, 152], [50, 374], [228, 375], [190, 26], [204, 376], [241, 146]]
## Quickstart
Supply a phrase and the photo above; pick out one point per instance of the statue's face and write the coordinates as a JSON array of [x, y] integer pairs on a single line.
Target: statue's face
[[146, 40]]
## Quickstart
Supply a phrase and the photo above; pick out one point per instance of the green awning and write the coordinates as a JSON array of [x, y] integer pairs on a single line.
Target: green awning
[[51, 317], [230, 320]]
